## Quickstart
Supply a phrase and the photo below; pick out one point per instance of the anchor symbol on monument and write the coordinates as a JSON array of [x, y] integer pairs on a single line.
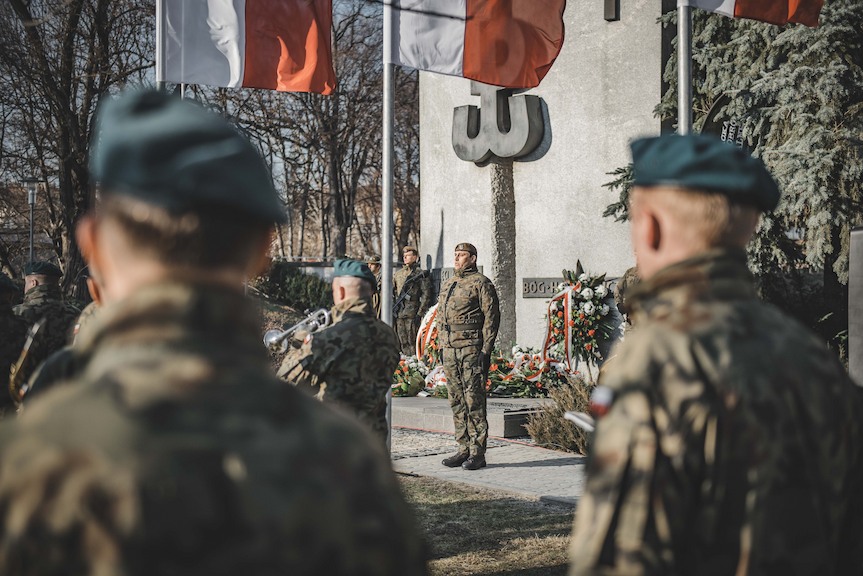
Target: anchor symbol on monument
[[503, 127]]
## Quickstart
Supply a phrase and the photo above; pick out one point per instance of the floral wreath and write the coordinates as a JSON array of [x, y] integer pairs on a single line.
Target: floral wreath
[[577, 319]]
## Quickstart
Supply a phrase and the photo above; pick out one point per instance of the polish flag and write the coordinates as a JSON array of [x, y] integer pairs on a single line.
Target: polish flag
[[275, 44], [510, 43], [772, 11]]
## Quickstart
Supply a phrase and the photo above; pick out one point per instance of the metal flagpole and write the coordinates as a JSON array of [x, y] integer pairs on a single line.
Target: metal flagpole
[[387, 200], [684, 69], [160, 53]]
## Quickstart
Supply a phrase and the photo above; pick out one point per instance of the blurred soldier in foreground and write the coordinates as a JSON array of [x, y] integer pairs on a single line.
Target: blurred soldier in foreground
[[731, 440], [178, 451], [468, 319], [13, 331], [43, 302], [351, 363], [412, 297], [374, 263]]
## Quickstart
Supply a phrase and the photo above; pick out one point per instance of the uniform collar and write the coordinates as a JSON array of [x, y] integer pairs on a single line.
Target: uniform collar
[[360, 306], [466, 271], [178, 312], [719, 274], [41, 293], [410, 267]]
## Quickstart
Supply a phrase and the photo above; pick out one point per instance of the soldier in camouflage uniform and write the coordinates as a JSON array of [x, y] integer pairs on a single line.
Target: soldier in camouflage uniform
[[415, 284], [731, 436], [468, 319], [350, 363], [624, 286], [374, 263], [43, 301], [13, 331], [177, 450]]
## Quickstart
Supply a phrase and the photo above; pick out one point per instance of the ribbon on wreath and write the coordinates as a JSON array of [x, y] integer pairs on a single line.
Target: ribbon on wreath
[[436, 377], [563, 298], [522, 358], [427, 332]]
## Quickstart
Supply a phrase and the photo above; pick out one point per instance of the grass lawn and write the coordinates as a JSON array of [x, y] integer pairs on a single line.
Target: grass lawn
[[475, 531]]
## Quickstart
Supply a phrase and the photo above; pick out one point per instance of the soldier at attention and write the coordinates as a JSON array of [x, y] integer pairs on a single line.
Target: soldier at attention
[[468, 319], [13, 331], [412, 294], [177, 450], [350, 363], [731, 436], [44, 302], [374, 263]]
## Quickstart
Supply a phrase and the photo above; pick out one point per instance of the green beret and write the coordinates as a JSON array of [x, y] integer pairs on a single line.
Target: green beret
[[410, 249], [374, 259], [174, 154], [7, 284], [42, 268], [466, 247], [347, 267], [703, 162]]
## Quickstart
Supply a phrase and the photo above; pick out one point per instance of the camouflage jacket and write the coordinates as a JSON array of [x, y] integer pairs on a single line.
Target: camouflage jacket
[[178, 451], [732, 444], [419, 291], [44, 302], [350, 363], [13, 331], [468, 311], [376, 297]]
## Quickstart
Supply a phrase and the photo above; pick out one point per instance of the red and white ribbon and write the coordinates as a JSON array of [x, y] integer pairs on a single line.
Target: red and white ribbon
[[427, 332]]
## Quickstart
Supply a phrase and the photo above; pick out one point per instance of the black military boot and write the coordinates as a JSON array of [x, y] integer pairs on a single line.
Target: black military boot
[[474, 462], [455, 460]]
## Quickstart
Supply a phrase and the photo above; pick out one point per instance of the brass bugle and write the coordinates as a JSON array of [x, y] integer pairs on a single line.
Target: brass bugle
[[315, 321]]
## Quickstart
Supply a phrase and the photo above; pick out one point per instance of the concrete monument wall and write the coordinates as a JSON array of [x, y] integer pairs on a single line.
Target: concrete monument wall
[[598, 96]]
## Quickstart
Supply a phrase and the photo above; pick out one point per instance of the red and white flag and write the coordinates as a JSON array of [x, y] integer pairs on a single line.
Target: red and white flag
[[510, 43], [772, 11], [276, 44]]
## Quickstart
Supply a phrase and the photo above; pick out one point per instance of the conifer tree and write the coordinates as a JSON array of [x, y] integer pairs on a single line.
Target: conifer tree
[[798, 93]]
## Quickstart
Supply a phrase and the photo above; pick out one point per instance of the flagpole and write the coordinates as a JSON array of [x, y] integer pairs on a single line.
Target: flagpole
[[684, 69], [160, 55], [387, 199]]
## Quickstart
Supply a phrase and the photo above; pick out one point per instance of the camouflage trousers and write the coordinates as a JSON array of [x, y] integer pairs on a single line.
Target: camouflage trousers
[[406, 329], [465, 384]]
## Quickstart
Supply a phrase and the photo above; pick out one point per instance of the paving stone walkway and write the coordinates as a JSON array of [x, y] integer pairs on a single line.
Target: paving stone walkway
[[517, 467]]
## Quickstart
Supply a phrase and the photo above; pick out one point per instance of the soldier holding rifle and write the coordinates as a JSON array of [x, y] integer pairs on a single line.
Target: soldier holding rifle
[[412, 297]]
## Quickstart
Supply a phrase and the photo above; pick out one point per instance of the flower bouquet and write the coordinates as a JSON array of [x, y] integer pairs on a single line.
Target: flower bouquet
[[577, 319]]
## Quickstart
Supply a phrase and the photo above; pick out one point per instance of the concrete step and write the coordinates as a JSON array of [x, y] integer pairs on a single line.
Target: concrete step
[[506, 416]]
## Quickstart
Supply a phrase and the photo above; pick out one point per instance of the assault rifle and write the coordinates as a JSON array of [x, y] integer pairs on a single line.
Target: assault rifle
[[404, 296]]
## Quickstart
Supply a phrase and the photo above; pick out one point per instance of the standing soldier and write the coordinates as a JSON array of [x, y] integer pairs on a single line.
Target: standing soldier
[[43, 302], [177, 451], [731, 440], [468, 319], [412, 292], [624, 286], [374, 263], [351, 363], [13, 331]]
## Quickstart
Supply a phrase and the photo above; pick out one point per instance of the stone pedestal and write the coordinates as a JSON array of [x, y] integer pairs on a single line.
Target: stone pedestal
[[506, 416]]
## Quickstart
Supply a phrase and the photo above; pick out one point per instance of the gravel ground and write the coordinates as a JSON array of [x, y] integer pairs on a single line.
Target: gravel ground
[[409, 443]]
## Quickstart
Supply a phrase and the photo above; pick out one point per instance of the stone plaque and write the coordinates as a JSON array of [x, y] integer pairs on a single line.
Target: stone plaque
[[540, 287]]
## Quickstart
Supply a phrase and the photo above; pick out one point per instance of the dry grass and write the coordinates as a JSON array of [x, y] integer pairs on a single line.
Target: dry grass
[[549, 429], [473, 531]]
